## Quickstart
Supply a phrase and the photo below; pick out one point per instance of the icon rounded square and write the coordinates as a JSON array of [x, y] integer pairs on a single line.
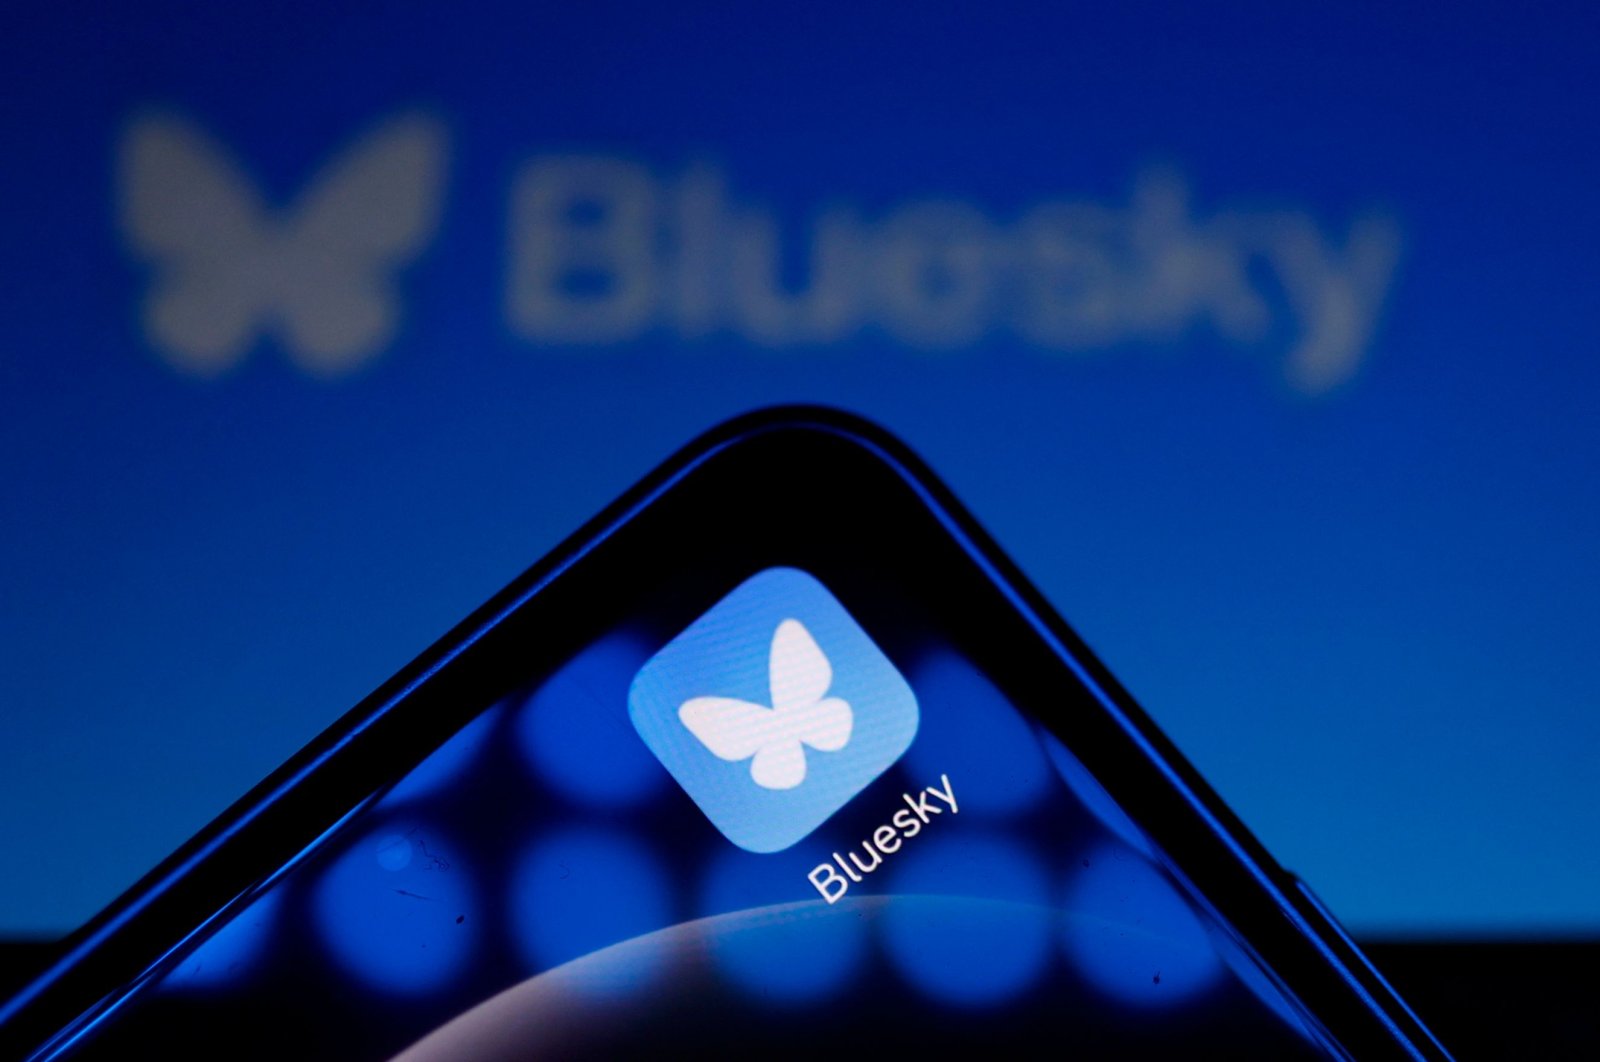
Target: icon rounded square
[[773, 709]]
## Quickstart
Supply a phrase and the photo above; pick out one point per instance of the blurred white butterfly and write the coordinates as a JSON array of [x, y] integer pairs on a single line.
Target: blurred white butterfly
[[801, 714], [317, 274]]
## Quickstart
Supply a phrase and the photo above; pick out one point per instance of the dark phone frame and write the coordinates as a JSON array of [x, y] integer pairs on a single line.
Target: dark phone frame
[[761, 462]]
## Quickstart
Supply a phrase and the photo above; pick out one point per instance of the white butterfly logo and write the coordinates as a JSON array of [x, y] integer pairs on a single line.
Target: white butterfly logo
[[801, 714], [317, 274]]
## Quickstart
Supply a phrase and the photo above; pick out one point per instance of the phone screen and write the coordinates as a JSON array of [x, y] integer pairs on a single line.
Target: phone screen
[[790, 813]]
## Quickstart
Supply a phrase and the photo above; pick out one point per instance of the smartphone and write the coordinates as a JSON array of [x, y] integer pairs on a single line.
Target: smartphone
[[777, 755]]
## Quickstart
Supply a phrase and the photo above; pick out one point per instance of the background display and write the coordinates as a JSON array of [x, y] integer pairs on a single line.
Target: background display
[[1262, 337]]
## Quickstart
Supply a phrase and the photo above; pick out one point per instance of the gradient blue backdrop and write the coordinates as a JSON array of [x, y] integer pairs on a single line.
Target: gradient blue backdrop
[[1368, 615]]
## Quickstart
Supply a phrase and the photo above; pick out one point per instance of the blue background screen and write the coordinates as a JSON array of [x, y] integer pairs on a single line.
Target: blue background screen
[[1264, 338]]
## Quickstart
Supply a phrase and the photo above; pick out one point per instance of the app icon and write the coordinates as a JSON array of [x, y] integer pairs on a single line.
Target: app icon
[[773, 710]]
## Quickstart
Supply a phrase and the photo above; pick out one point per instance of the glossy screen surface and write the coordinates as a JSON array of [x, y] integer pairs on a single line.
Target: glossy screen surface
[[541, 884]]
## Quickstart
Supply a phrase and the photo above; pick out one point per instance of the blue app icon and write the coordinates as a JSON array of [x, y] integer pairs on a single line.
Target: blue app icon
[[773, 709]]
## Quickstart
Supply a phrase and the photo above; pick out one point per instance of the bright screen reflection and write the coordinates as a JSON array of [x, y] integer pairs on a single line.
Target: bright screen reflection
[[539, 885]]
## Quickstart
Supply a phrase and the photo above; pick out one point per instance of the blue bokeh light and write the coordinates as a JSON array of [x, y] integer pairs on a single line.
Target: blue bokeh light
[[575, 732], [583, 889], [1132, 934], [968, 922], [446, 763], [794, 954], [233, 950], [970, 731], [399, 910]]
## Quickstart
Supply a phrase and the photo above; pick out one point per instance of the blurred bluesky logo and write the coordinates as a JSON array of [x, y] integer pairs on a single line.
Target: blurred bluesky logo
[[605, 250], [318, 274]]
